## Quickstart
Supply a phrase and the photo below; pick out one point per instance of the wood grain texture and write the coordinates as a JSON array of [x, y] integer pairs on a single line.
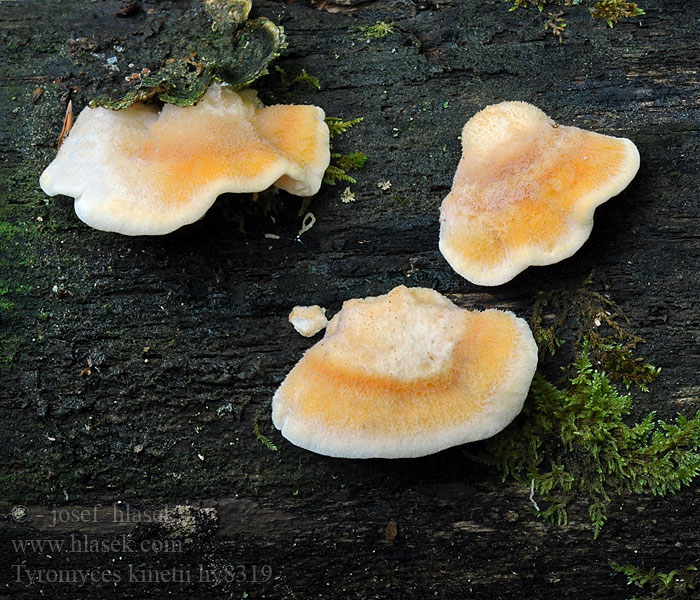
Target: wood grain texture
[[187, 333]]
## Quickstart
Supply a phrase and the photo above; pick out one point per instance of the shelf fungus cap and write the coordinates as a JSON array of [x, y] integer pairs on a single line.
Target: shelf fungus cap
[[308, 320], [145, 171], [406, 374], [525, 191]]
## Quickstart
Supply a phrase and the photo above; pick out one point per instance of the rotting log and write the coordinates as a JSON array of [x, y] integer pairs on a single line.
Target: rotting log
[[134, 370]]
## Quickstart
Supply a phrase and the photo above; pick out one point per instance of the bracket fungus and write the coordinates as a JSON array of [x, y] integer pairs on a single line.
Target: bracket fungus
[[525, 191], [406, 374], [145, 171]]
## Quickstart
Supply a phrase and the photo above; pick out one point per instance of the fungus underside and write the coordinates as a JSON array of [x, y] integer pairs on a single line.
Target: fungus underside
[[269, 203], [572, 441]]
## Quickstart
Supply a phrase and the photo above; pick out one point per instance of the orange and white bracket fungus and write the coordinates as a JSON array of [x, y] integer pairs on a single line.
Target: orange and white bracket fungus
[[406, 374], [145, 171], [525, 191]]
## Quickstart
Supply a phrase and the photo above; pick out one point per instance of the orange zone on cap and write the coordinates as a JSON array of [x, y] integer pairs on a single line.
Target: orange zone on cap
[[406, 374], [145, 171], [525, 191]]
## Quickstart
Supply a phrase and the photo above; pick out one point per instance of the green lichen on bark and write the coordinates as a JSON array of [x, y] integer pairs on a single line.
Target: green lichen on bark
[[235, 52], [573, 441]]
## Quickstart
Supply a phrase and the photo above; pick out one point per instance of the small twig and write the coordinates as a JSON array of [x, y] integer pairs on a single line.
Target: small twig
[[67, 124], [532, 495]]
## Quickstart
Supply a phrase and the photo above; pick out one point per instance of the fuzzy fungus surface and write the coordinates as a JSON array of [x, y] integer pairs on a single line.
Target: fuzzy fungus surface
[[525, 191], [406, 374], [149, 171]]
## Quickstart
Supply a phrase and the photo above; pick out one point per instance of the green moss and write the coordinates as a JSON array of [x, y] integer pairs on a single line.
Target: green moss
[[338, 126], [302, 78], [572, 441], [353, 161], [14, 252], [337, 171], [614, 10], [41, 476], [557, 25], [584, 313], [334, 175], [678, 584], [539, 4], [610, 10], [6, 304], [265, 441], [20, 180], [379, 30]]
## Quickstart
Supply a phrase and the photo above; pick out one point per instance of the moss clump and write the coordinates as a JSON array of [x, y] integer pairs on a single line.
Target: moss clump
[[587, 313], [572, 441], [6, 304], [353, 161], [614, 10], [679, 584], [379, 30]]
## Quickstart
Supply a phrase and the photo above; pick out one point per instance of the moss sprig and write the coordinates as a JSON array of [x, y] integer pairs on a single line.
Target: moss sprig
[[303, 78], [338, 126], [678, 584], [264, 440], [340, 165]]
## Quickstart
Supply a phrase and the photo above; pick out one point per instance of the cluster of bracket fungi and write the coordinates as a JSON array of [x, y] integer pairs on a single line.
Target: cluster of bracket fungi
[[405, 374]]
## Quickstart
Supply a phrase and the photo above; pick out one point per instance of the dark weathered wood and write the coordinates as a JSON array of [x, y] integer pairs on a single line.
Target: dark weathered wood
[[174, 423]]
